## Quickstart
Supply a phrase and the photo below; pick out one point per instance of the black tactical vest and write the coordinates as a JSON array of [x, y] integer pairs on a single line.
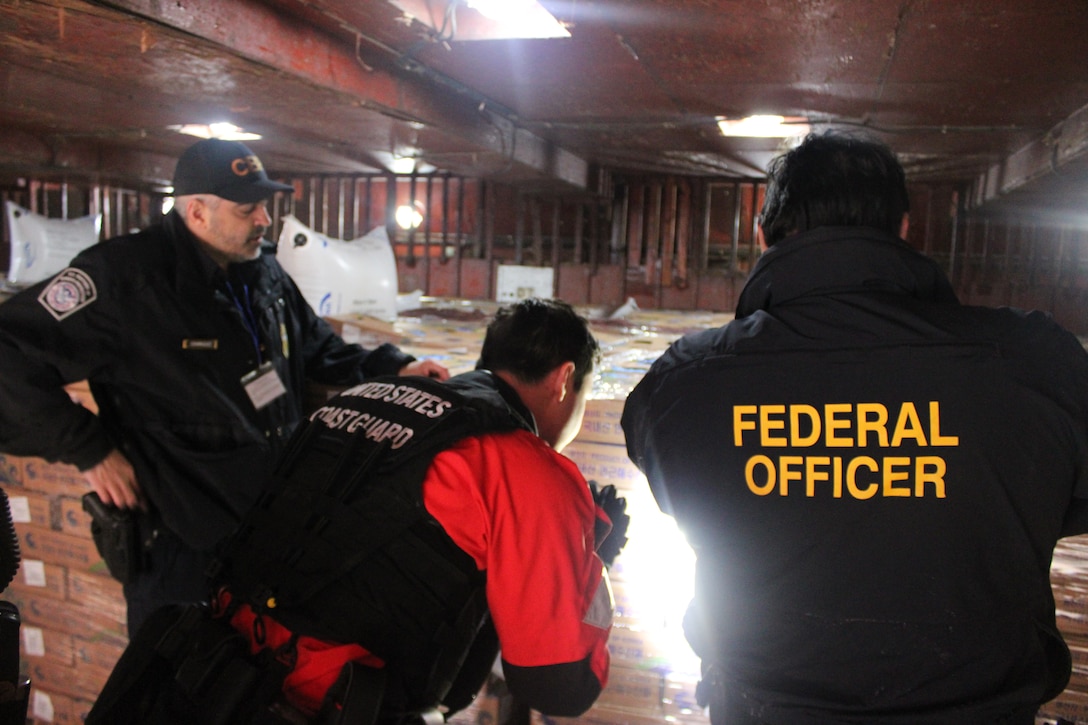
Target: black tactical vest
[[341, 547]]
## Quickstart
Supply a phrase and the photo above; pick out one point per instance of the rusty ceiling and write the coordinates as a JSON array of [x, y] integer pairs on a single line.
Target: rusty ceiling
[[987, 93]]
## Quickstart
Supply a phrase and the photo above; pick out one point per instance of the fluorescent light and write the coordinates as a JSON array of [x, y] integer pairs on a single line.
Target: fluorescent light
[[764, 126], [221, 130]]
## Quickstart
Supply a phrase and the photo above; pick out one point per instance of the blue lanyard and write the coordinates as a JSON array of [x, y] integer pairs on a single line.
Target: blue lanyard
[[247, 316]]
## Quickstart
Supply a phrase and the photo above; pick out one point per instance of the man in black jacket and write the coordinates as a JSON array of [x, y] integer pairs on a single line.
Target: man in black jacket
[[872, 475], [196, 345]]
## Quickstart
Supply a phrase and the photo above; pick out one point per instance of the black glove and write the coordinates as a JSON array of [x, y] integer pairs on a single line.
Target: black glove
[[609, 545]]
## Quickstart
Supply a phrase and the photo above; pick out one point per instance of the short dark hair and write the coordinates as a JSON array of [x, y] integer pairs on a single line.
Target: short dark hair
[[532, 337], [834, 179]]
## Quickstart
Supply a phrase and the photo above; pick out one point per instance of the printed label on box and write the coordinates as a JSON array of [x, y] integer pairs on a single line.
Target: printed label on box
[[20, 509], [43, 707], [33, 641], [33, 572]]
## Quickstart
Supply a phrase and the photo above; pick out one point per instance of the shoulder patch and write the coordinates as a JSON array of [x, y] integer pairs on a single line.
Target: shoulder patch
[[70, 291]]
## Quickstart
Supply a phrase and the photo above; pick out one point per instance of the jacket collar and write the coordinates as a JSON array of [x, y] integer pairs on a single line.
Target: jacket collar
[[486, 384], [836, 260], [193, 267]]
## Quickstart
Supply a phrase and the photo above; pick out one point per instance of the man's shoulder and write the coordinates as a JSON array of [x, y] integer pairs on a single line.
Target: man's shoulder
[[702, 346], [1020, 332], [134, 250]]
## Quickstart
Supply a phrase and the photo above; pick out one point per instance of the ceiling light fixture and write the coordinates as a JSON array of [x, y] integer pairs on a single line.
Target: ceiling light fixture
[[409, 216], [458, 20], [764, 126], [221, 130], [519, 19]]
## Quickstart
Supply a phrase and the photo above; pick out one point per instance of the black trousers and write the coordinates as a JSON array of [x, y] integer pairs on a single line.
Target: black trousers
[[176, 574]]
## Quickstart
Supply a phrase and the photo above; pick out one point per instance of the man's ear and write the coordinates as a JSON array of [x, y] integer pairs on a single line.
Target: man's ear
[[558, 380], [196, 211]]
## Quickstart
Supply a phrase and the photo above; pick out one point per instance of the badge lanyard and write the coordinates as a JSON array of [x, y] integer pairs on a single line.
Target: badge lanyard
[[247, 317], [262, 385]]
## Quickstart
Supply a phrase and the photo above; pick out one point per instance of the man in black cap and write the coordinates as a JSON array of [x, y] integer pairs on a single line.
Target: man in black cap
[[196, 344]]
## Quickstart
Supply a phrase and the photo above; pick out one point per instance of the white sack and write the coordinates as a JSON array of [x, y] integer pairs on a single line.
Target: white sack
[[41, 247], [340, 277]]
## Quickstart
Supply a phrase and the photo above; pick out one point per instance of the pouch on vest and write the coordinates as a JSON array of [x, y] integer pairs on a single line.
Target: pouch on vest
[[215, 670]]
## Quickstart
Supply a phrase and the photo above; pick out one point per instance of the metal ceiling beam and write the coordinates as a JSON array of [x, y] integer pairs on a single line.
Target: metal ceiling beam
[[1061, 152], [257, 33]]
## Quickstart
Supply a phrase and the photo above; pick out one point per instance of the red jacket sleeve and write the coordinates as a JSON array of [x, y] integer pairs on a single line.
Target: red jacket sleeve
[[526, 515]]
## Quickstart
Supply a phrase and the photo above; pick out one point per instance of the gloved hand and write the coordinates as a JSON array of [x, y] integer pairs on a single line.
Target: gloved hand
[[610, 542]]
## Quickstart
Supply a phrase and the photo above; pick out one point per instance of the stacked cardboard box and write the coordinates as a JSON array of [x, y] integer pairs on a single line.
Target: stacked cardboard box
[[72, 611], [1069, 580]]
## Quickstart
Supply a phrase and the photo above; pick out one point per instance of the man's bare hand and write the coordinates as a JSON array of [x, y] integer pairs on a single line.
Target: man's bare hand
[[426, 368], [114, 480]]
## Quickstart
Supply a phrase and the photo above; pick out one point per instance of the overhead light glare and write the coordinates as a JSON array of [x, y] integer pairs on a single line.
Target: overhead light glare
[[517, 19], [764, 126], [222, 130], [409, 216], [457, 20]]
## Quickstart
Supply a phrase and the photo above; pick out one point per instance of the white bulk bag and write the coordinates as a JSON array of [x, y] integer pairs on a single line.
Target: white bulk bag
[[340, 277], [41, 247]]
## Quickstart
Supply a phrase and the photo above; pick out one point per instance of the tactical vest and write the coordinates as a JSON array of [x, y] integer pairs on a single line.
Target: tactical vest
[[341, 548]]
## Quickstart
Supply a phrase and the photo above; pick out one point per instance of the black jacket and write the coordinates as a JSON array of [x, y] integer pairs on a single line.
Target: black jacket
[[151, 322], [873, 477]]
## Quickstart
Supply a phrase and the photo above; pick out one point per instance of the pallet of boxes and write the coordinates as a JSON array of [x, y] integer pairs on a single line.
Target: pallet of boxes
[[73, 612]]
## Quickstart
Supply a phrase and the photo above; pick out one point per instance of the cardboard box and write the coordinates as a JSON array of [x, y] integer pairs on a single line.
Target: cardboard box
[[11, 472], [633, 690], [71, 518], [38, 578], [600, 715], [607, 465], [101, 652], [99, 592], [58, 709], [601, 423], [30, 507], [76, 552], [45, 643], [53, 479], [67, 617], [82, 682], [679, 701]]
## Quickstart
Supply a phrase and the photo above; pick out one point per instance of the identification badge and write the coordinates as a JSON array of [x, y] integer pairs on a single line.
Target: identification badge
[[263, 385]]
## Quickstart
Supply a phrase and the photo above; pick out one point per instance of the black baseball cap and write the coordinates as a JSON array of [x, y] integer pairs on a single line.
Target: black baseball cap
[[227, 169]]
